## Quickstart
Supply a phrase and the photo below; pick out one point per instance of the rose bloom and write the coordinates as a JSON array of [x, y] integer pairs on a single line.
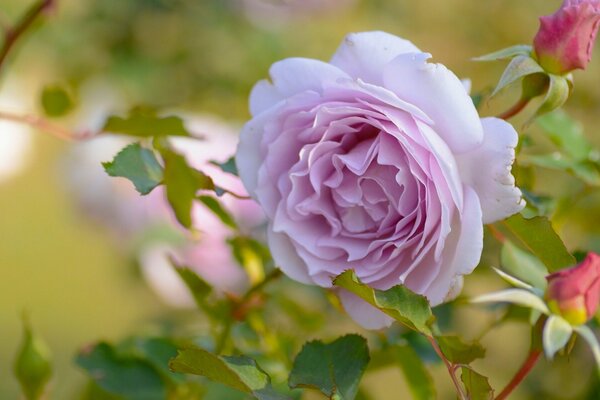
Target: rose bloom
[[132, 218], [376, 161]]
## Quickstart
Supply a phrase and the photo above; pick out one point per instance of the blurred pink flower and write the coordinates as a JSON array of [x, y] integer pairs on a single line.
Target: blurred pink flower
[[574, 293], [566, 38], [376, 161]]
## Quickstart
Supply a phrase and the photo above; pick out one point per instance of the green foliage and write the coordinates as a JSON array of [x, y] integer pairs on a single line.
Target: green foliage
[[137, 164], [32, 367], [523, 265], [56, 101], [240, 373], [567, 134], [228, 166], [122, 374], [417, 377], [334, 369], [146, 123], [458, 351], [217, 208], [507, 53], [399, 302], [538, 236], [478, 386], [519, 67]]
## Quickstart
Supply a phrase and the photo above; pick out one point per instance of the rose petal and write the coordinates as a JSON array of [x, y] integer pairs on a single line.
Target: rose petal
[[364, 55], [487, 169]]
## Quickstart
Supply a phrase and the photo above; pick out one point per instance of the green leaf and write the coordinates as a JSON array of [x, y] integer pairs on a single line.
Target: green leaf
[[417, 377], [228, 166], [399, 302], [199, 288], [32, 366], [137, 164], [145, 123], [557, 95], [183, 183], [518, 68], [566, 133], [509, 52], [458, 351], [217, 208], [56, 101], [538, 236], [335, 369], [587, 171], [252, 255], [122, 374], [240, 373], [477, 386], [523, 265]]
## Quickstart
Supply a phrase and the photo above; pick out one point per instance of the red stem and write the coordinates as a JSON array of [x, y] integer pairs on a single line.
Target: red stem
[[514, 110], [527, 366], [450, 366]]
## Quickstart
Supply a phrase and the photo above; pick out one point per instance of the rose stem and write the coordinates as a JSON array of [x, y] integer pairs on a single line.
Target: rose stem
[[13, 34], [43, 125], [514, 110], [451, 368], [527, 366]]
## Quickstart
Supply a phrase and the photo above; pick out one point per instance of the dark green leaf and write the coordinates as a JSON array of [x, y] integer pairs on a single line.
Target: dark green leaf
[[199, 288], [228, 166], [144, 123], [335, 368], [137, 164], [157, 351], [217, 208], [240, 373], [398, 302], [566, 133], [56, 101], [183, 183], [32, 366], [478, 387], [458, 351], [538, 236], [122, 374], [417, 377], [523, 265]]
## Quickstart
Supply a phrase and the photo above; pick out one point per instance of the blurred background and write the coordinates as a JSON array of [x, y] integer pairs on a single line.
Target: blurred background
[[202, 57]]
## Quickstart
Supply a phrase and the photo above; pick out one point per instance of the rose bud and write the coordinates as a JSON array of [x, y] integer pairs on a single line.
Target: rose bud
[[574, 293], [565, 39]]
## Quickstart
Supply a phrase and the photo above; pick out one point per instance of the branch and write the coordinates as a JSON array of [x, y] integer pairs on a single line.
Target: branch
[[44, 125], [14, 33]]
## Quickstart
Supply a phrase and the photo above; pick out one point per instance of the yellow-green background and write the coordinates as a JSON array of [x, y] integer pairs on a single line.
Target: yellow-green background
[[203, 55]]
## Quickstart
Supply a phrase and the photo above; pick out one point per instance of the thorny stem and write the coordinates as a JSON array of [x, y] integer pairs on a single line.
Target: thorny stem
[[527, 366], [451, 368], [514, 110], [44, 125], [13, 34]]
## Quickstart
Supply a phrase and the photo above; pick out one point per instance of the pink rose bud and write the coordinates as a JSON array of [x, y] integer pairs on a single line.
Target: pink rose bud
[[566, 38], [574, 293]]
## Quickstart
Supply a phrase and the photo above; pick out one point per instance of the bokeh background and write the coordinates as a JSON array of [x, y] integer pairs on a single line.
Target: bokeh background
[[203, 56]]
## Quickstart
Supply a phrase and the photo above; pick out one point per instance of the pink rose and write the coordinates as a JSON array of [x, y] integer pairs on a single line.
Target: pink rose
[[566, 38], [376, 161], [574, 293]]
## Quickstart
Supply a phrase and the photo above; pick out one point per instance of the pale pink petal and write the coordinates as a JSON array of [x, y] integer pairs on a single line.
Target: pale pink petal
[[440, 94], [286, 257], [364, 55], [487, 169]]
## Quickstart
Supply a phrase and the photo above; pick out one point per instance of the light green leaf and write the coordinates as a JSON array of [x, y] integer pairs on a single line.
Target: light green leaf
[[33, 365], [335, 368], [523, 265], [556, 335], [122, 374], [145, 123], [183, 183], [557, 95], [592, 341], [399, 302], [566, 133], [518, 68], [510, 52], [417, 376], [137, 164], [217, 208], [511, 280], [538, 236], [56, 101], [240, 373], [587, 171], [458, 351], [478, 386], [514, 296]]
